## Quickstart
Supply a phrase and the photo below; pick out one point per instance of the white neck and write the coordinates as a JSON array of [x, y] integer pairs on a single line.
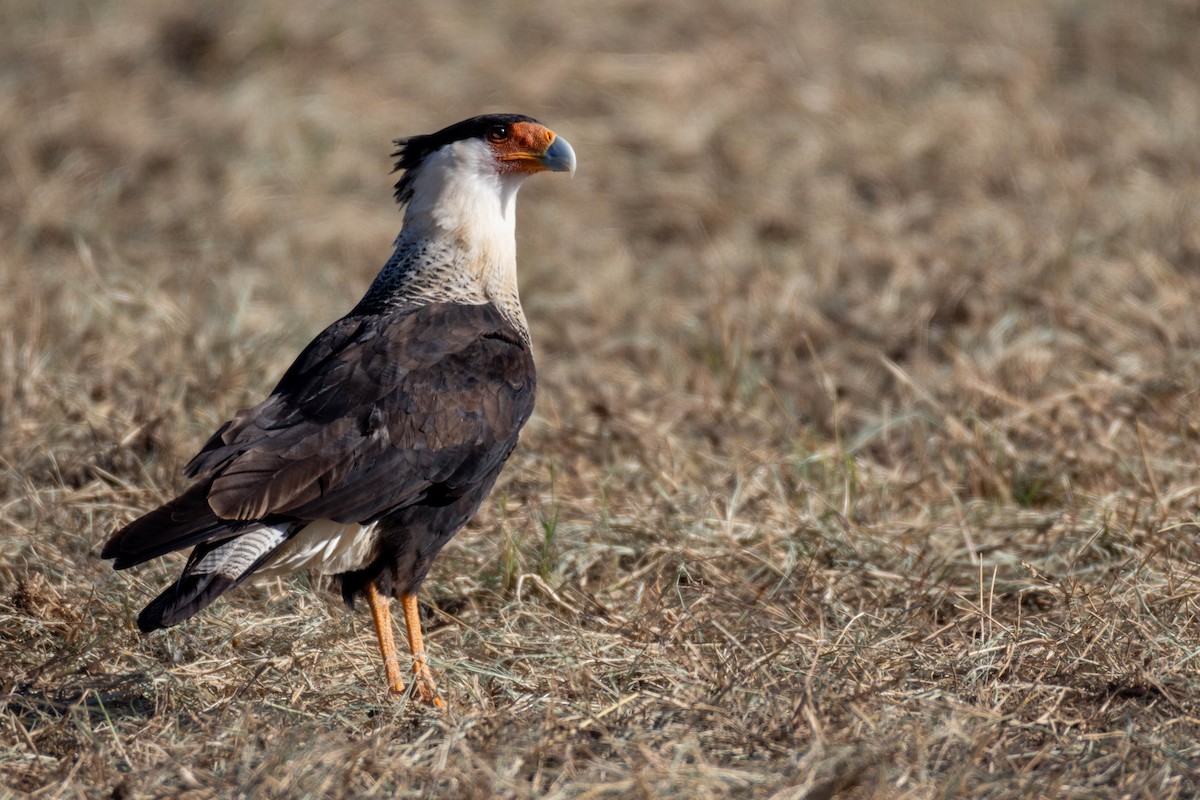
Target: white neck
[[459, 242]]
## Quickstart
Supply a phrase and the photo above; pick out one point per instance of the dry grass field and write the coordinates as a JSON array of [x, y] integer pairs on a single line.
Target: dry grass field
[[867, 454]]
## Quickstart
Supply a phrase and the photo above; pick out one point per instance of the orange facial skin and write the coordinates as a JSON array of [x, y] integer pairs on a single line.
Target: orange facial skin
[[522, 150]]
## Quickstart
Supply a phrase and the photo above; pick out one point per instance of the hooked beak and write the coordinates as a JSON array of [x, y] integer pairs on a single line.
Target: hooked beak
[[558, 157]]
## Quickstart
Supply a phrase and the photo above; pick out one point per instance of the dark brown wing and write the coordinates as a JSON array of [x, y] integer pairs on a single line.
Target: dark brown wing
[[377, 412]]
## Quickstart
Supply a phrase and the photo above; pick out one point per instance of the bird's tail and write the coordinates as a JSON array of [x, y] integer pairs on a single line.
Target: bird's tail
[[225, 553], [213, 569], [185, 521]]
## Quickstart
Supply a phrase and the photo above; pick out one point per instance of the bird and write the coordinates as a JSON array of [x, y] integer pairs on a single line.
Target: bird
[[388, 431]]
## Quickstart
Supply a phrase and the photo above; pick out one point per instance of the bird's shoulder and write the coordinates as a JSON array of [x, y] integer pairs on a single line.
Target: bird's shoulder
[[360, 359], [412, 391], [384, 346]]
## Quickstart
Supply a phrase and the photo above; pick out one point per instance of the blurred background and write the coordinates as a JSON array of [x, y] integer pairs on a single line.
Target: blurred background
[[998, 198], [859, 301]]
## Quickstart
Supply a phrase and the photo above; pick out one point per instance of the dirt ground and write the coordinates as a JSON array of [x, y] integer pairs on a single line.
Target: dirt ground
[[865, 460]]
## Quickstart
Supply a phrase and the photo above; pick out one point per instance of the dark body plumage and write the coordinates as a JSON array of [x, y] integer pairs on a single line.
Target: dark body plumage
[[402, 418]]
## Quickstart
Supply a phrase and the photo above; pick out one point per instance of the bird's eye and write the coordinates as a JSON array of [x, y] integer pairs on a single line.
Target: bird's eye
[[497, 133]]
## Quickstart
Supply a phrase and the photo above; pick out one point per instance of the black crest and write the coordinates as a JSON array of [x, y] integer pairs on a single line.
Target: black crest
[[411, 152]]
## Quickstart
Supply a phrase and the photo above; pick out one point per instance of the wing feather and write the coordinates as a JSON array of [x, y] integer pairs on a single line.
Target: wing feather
[[374, 413]]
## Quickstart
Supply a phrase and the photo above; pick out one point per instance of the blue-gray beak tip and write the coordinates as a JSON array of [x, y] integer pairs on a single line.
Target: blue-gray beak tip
[[559, 157]]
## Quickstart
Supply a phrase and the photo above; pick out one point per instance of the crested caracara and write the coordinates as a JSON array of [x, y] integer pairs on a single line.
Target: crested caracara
[[387, 432]]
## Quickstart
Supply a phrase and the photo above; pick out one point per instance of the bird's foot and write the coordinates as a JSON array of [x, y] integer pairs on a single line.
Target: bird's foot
[[426, 688]]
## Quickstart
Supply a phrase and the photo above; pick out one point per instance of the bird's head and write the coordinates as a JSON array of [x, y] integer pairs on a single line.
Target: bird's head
[[459, 189], [500, 148]]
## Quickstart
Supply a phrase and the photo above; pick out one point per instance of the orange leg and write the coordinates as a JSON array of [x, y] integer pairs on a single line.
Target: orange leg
[[416, 645], [387, 645]]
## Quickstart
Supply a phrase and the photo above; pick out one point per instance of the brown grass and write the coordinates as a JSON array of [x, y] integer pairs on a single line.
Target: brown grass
[[865, 461]]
